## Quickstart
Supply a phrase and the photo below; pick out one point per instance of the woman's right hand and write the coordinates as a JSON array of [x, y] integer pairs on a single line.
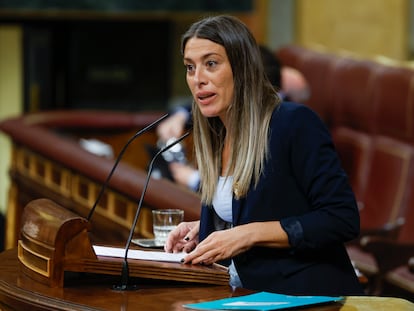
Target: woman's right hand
[[184, 238]]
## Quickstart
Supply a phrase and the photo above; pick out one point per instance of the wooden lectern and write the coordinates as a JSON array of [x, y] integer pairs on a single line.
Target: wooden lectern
[[54, 241]]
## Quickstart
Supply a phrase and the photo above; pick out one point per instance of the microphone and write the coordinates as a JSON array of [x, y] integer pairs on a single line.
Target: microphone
[[105, 184], [125, 269]]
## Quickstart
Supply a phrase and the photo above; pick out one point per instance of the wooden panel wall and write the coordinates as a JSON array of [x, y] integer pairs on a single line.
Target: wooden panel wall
[[367, 28]]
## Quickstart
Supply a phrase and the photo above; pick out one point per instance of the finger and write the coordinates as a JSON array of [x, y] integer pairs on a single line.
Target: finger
[[178, 247], [192, 234], [196, 255], [188, 247], [168, 246], [194, 258], [175, 241], [173, 238]]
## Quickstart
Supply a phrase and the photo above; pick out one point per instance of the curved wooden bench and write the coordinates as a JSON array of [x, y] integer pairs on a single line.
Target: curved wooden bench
[[47, 161]]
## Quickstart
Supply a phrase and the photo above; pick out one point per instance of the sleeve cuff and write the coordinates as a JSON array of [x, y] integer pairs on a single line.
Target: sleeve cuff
[[294, 230]]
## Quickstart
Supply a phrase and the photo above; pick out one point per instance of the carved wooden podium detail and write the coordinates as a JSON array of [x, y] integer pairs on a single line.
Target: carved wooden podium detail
[[50, 236], [54, 241]]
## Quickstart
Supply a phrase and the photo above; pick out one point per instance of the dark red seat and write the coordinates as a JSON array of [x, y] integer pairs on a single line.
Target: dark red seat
[[399, 282], [394, 99], [317, 68], [352, 89], [354, 149], [389, 182], [384, 198], [290, 55], [384, 257]]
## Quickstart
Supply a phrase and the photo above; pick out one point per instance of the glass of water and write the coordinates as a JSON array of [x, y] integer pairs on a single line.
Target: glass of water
[[164, 221]]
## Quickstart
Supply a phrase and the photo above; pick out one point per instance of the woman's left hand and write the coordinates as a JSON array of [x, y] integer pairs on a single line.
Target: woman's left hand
[[220, 245], [228, 243]]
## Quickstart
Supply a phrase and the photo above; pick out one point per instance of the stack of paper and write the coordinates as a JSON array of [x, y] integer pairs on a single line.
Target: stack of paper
[[151, 264]]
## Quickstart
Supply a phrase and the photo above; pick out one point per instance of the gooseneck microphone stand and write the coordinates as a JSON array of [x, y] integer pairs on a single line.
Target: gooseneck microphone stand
[[125, 269]]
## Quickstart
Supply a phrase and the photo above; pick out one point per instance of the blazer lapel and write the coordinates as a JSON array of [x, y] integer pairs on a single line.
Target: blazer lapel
[[236, 208]]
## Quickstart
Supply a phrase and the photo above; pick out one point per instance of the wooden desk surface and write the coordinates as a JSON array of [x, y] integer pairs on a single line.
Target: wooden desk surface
[[18, 292]]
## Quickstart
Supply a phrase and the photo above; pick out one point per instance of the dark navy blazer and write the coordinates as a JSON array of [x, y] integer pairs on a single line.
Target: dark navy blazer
[[303, 186]]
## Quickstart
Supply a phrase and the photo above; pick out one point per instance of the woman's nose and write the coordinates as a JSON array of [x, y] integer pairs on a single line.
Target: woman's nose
[[199, 76]]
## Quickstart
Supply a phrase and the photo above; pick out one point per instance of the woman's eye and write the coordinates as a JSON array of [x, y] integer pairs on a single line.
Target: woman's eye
[[189, 68], [211, 63]]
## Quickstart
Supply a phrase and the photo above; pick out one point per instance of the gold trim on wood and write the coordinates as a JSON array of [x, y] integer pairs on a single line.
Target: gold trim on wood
[[77, 188], [34, 261]]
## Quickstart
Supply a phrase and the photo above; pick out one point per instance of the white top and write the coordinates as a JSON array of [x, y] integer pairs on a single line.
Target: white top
[[222, 201], [222, 204]]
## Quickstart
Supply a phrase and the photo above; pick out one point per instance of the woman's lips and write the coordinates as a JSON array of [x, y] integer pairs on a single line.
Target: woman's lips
[[205, 97]]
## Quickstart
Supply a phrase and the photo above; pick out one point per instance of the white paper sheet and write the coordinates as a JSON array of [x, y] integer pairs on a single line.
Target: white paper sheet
[[138, 254]]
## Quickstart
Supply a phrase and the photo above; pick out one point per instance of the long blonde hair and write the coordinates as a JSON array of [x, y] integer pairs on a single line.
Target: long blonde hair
[[248, 115]]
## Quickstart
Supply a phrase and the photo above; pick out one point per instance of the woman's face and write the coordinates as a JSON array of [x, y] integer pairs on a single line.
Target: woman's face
[[209, 76]]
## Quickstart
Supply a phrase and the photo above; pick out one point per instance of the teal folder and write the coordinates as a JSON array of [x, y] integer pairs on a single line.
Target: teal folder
[[261, 302]]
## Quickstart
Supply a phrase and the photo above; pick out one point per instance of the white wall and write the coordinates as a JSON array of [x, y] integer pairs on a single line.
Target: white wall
[[11, 96]]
